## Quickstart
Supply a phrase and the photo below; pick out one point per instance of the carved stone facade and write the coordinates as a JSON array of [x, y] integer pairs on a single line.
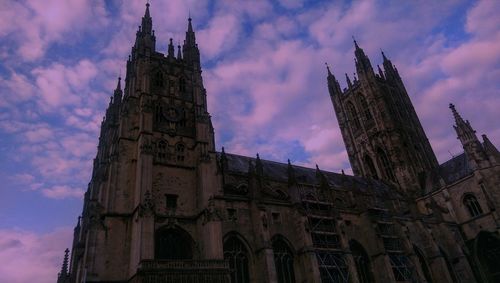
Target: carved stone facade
[[164, 206]]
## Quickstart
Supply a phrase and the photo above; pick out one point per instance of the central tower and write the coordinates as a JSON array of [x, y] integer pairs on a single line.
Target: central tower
[[382, 133], [146, 210]]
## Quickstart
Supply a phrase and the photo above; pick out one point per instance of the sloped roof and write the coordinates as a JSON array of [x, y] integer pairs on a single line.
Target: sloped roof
[[277, 171], [450, 172], [455, 169]]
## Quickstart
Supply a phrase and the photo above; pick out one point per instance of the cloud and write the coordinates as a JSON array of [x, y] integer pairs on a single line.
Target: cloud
[[61, 192], [26, 256], [34, 25]]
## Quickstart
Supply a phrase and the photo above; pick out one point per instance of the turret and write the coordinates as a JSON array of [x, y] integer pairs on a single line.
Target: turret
[[190, 48], [363, 64], [145, 42], [63, 276], [333, 84], [467, 135]]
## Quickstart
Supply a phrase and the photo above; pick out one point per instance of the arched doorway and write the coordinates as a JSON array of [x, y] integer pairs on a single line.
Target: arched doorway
[[488, 254], [283, 261], [423, 264], [173, 243], [362, 261], [236, 254]]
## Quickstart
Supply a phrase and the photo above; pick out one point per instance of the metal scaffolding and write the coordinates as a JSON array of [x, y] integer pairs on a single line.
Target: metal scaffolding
[[325, 237]]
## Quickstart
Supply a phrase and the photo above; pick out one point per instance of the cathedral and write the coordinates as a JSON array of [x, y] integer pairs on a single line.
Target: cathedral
[[164, 205]]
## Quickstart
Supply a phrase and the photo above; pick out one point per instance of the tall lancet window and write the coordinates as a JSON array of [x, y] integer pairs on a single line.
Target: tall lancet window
[[470, 201], [179, 150], [236, 254], [283, 261], [366, 110], [386, 164], [352, 116]]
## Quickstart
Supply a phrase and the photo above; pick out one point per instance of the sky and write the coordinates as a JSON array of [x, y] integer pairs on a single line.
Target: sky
[[264, 70]]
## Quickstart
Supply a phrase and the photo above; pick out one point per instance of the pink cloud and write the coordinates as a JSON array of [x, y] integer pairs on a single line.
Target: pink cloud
[[61, 192], [36, 24], [27, 256]]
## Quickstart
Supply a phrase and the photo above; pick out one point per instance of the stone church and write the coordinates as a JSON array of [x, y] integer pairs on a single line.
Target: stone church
[[163, 205]]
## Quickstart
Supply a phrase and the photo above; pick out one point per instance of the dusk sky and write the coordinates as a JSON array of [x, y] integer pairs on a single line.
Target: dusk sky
[[264, 70]]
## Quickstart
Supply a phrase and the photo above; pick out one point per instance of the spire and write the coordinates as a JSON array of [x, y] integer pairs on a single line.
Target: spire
[[118, 85], [467, 136], [179, 54], [171, 50], [190, 26], [349, 84], [146, 14], [64, 268], [190, 36], [380, 72], [383, 56], [363, 64], [333, 84], [147, 23], [456, 115], [258, 166], [190, 52]]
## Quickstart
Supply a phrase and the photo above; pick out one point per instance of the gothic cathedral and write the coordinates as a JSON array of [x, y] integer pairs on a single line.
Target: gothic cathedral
[[164, 206]]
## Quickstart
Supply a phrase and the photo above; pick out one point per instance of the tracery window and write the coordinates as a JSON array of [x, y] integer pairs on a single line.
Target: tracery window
[[179, 150], [362, 262], [353, 117], [470, 201], [172, 243], [283, 261], [386, 164], [367, 114], [236, 254], [162, 151]]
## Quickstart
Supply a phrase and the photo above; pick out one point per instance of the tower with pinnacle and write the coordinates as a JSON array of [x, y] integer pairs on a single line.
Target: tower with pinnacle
[[155, 167], [382, 133]]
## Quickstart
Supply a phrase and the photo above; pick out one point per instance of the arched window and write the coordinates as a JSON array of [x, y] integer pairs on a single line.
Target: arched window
[[367, 114], [449, 266], [362, 262], [423, 264], [173, 243], [488, 253], [353, 117], [386, 164], [236, 253], [472, 205], [283, 261], [162, 151], [372, 172], [179, 150]]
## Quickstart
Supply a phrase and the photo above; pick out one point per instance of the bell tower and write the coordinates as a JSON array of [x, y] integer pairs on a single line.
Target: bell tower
[[150, 201], [382, 133]]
